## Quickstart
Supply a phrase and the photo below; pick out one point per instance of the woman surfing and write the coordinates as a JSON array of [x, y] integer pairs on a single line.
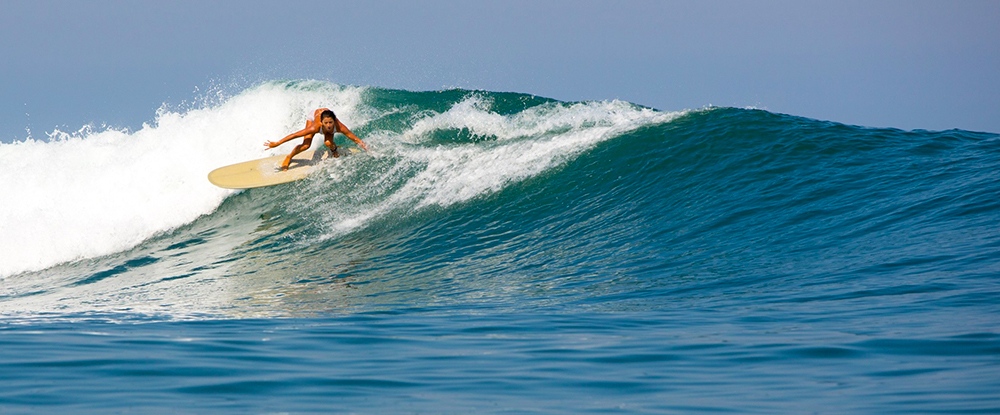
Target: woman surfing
[[324, 122]]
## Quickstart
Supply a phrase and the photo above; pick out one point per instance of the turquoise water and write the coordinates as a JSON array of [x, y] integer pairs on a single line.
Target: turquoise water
[[500, 252]]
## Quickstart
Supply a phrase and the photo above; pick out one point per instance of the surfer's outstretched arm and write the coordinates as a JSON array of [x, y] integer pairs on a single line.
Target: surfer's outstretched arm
[[301, 133], [341, 128]]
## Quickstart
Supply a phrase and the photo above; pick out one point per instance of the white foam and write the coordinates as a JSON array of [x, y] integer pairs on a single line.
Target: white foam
[[92, 193], [556, 133]]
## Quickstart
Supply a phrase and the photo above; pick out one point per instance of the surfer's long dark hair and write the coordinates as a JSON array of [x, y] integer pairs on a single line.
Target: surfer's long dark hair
[[327, 113]]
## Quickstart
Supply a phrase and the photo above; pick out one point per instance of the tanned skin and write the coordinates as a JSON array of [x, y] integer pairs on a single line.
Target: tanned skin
[[326, 124]]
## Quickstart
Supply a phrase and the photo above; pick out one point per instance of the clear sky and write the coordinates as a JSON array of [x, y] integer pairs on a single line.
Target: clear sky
[[906, 64]]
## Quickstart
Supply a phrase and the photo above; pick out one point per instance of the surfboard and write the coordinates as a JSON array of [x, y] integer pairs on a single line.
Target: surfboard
[[267, 171]]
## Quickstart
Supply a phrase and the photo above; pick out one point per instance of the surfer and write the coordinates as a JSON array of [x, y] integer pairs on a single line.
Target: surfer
[[324, 122]]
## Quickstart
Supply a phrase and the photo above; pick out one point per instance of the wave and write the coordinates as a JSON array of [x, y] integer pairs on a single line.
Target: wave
[[93, 193], [469, 196]]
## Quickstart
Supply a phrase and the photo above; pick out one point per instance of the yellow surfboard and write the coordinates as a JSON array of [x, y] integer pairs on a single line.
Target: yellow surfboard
[[267, 171]]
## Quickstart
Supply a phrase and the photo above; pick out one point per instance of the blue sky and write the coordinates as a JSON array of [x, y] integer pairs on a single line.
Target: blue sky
[[904, 64]]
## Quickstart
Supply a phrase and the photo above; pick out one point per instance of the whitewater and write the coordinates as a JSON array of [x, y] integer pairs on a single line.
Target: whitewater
[[499, 252]]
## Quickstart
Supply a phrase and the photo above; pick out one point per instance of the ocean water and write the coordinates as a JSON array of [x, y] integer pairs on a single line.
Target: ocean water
[[501, 253]]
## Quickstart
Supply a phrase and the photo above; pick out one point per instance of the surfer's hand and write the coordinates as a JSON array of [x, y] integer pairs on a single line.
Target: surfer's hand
[[270, 144], [364, 146]]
